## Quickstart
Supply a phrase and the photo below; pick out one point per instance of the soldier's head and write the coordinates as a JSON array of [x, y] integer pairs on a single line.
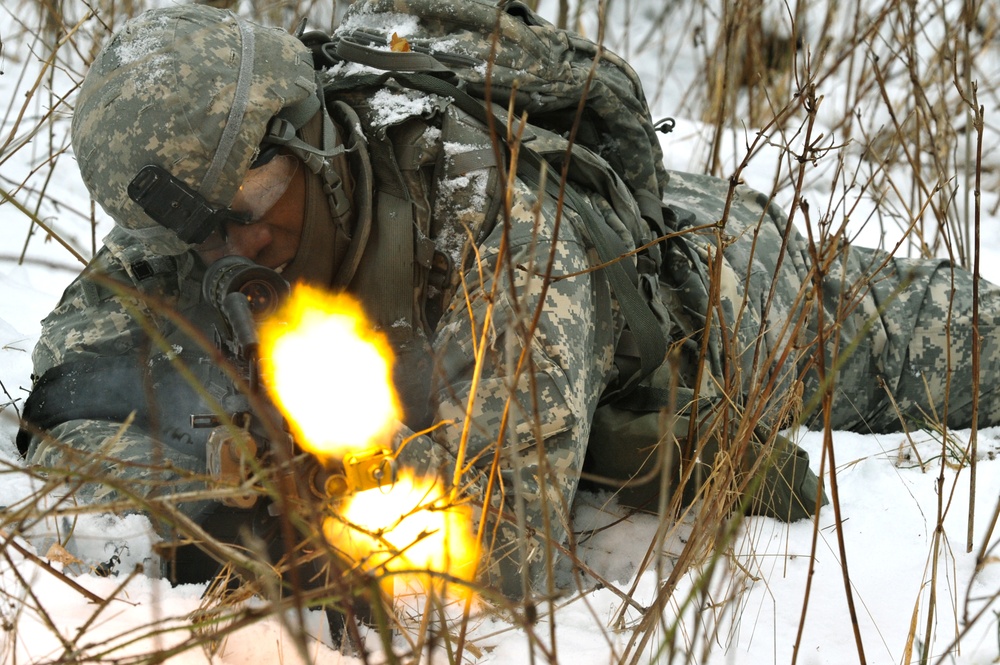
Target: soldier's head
[[188, 125]]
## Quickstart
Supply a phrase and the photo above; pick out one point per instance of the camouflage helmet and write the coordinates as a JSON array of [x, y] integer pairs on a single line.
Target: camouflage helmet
[[189, 89]]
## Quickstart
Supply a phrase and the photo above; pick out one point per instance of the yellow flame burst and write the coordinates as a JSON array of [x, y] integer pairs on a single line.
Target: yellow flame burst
[[411, 526], [329, 373]]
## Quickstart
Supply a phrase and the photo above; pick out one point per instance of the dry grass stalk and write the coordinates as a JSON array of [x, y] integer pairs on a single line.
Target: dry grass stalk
[[912, 128]]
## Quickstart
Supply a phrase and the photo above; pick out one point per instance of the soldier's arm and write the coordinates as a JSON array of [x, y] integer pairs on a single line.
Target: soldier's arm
[[516, 384], [87, 365]]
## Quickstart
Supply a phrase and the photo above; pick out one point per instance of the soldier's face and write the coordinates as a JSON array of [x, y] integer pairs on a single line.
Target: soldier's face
[[278, 209]]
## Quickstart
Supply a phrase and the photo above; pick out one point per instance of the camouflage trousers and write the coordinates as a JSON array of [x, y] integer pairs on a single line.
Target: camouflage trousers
[[896, 334], [891, 339]]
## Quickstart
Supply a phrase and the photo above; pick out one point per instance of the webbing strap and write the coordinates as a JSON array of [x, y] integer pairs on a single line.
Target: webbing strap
[[461, 163], [621, 273], [384, 278], [624, 279], [390, 256], [406, 61]]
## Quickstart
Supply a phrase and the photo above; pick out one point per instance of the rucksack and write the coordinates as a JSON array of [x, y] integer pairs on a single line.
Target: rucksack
[[579, 99], [545, 71]]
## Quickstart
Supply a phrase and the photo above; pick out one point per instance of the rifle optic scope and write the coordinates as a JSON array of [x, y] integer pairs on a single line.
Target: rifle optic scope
[[244, 293], [264, 289]]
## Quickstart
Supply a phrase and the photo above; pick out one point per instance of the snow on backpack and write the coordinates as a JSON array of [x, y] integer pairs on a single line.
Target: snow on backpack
[[581, 101]]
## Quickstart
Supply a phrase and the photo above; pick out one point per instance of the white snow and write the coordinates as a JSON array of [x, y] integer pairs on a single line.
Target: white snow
[[387, 23], [907, 575], [394, 106]]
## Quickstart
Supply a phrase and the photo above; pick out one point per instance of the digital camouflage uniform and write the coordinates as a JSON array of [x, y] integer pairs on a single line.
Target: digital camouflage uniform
[[899, 330], [548, 351]]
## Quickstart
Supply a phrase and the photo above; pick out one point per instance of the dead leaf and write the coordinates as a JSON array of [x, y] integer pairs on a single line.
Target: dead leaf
[[59, 554], [399, 44]]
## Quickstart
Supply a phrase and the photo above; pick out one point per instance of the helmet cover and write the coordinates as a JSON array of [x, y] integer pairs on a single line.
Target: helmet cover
[[188, 88]]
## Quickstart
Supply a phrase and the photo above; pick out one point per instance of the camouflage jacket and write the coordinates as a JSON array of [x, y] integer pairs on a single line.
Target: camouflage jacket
[[546, 355], [520, 296]]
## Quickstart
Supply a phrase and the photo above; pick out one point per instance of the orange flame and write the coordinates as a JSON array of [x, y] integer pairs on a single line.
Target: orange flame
[[329, 373], [410, 526], [331, 376]]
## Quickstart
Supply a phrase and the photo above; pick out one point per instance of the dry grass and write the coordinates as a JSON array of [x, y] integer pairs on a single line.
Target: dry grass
[[907, 152]]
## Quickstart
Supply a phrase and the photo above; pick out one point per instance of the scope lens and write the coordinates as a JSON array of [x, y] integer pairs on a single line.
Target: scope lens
[[262, 297]]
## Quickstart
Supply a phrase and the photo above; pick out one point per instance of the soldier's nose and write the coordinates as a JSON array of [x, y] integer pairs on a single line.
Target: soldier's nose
[[250, 240]]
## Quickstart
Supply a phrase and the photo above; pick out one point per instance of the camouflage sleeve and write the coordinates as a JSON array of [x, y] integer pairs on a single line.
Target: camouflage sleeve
[[117, 467], [521, 362], [92, 320], [110, 311], [114, 307]]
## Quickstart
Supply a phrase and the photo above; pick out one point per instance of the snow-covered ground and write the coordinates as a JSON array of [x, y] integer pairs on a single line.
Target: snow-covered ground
[[902, 565]]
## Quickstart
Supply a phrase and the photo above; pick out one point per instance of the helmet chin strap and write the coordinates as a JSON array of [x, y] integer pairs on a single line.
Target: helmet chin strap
[[283, 131], [337, 215]]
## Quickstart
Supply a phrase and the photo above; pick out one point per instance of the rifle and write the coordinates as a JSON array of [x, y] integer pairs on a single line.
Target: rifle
[[244, 294], [256, 435], [252, 432]]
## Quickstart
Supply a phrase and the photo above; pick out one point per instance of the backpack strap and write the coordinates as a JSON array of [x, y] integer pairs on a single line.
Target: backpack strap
[[643, 340], [389, 254], [362, 206], [354, 49], [467, 170], [651, 344], [647, 352]]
